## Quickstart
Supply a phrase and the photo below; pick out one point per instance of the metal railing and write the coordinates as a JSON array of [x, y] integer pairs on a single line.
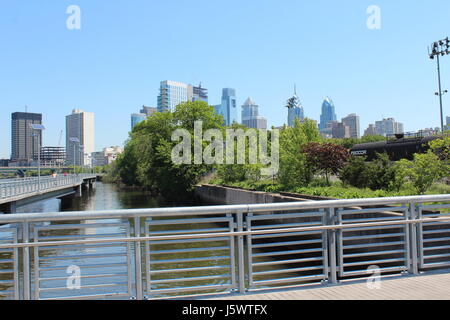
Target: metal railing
[[20, 187], [173, 252]]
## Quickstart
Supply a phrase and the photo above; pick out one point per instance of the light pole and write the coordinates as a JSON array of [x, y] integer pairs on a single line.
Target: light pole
[[39, 128], [440, 48], [75, 141]]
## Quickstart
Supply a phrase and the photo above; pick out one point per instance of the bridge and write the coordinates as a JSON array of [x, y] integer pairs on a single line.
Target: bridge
[[239, 251], [19, 192]]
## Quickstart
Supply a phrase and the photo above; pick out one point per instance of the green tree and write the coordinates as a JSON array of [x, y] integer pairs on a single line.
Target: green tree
[[424, 170], [295, 171]]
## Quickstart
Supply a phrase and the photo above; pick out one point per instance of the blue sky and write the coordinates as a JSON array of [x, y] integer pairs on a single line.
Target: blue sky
[[114, 64]]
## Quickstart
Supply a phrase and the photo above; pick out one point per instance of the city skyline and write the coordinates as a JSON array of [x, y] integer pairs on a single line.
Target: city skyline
[[112, 68]]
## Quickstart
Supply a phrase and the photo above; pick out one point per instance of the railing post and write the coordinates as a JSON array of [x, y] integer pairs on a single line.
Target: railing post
[[138, 259], [240, 244], [26, 262], [332, 246], [413, 268]]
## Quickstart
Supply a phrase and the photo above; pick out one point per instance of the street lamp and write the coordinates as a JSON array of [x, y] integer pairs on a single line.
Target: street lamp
[[38, 128], [440, 48], [75, 141]]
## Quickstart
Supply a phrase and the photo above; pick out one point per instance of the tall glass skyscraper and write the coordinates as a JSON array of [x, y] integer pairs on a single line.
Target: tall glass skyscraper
[[172, 93], [251, 117], [328, 114], [228, 108], [137, 118], [295, 110], [23, 142]]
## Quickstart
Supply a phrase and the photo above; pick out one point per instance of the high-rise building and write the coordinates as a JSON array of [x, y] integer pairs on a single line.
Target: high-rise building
[[447, 127], [370, 131], [295, 109], [197, 93], [148, 111], [172, 93], [106, 156], [352, 121], [340, 130], [388, 127], [137, 118], [251, 117], [228, 108], [53, 156], [25, 142], [328, 113], [80, 139]]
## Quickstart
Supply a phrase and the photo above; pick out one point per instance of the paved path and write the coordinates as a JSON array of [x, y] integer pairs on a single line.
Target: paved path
[[424, 287]]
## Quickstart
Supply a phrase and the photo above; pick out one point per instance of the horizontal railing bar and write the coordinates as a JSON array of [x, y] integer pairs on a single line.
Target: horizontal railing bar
[[287, 243], [161, 281], [83, 256], [284, 235], [86, 266], [93, 276], [375, 253], [189, 250], [188, 289], [372, 210], [287, 225], [435, 231], [374, 236], [362, 220], [187, 221], [6, 271], [443, 239], [272, 263], [80, 226], [435, 264], [317, 214], [287, 252], [436, 256], [436, 248], [188, 231], [372, 245], [168, 242], [370, 272], [161, 271], [212, 258], [91, 286], [129, 213], [373, 262], [102, 235], [264, 273], [84, 247], [295, 279]]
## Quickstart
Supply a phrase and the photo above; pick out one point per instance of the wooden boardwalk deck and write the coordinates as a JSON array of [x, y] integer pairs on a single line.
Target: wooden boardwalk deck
[[434, 286]]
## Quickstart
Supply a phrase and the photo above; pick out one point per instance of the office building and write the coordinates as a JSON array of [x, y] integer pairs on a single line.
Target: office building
[[370, 131], [172, 93], [447, 127], [295, 110], [80, 139], [137, 118], [352, 121], [228, 108], [340, 130], [388, 127], [148, 111], [53, 156], [251, 117], [328, 113], [106, 156], [25, 142]]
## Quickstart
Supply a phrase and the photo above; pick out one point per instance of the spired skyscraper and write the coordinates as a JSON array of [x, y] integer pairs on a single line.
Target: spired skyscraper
[[295, 109], [251, 117], [228, 108], [328, 114]]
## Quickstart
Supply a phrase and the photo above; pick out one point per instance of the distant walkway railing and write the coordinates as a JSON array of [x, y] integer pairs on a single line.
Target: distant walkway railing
[[172, 252], [19, 187]]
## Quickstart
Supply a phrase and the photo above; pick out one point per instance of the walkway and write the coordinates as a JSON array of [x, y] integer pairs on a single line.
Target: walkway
[[424, 287]]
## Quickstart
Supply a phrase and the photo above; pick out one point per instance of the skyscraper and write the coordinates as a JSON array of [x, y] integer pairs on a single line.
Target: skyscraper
[[228, 108], [148, 111], [328, 113], [388, 127], [24, 142], [80, 127], [137, 118], [352, 121], [172, 93], [251, 117], [295, 109]]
